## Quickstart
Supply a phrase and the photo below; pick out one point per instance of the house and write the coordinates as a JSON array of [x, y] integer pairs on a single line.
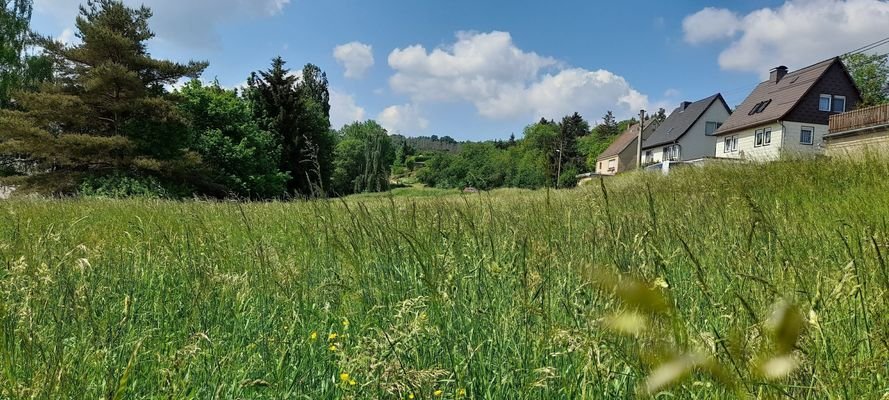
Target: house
[[621, 155], [788, 113], [852, 133], [687, 133]]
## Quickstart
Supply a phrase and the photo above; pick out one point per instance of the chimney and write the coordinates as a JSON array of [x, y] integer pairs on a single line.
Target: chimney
[[684, 105], [777, 73]]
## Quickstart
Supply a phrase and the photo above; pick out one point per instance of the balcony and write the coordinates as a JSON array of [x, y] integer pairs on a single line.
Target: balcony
[[860, 119]]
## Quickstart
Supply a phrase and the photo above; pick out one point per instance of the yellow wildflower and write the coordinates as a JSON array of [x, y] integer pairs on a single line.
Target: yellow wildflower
[[346, 323], [344, 377], [332, 336], [438, 393], [313, 336], [410, 396], [461, 392], [332, 347], [352, 382]]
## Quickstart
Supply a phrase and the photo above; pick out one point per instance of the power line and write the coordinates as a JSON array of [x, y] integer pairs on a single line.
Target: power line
[[870, 46]]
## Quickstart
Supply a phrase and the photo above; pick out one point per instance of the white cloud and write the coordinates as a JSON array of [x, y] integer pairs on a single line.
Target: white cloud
[[67, 36], [356, 57], [402, 119], [798, 33], [183, 22], [343, 109], [710, 24], [504, 82]]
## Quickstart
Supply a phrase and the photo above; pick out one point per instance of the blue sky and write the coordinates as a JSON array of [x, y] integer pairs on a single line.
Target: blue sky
[[485, 69]]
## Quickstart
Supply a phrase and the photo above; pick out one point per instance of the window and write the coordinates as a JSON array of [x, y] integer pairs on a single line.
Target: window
[[767, 137], [807, 135], [671, 152], [839, 104], [648, 156], [824, 102], [760, 107], [600, 166], [611, 165], [711, 127], [730, 145], [758, 140]]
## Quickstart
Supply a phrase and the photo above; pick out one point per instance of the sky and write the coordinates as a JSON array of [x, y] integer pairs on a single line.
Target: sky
[[485, 69]]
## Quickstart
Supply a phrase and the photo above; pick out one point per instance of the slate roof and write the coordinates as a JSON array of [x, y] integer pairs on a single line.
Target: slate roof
[[625, 139], [782, 97], [680, 121]]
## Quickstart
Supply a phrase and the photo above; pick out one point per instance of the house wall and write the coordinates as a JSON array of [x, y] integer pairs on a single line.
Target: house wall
[[602, 165], [627, 158], [747, 145], [858, 145], [785, 140], [791, 144]]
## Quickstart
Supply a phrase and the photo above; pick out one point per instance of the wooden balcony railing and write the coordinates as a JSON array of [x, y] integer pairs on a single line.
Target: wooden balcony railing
[[861, 118]]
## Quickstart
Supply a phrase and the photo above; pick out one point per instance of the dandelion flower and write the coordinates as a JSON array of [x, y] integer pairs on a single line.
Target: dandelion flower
[[332, 347], [313, 336], [410, 396], [352, 382], [344, 377], [461, 392], [438, 393], [345, 323], [332, 336]]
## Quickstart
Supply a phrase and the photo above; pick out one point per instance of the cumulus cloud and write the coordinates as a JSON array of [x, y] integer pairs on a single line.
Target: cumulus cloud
[[710, 24], [356, 57], [343, 109], [797, 33], [402, 119], [183, 22], [503, 81]]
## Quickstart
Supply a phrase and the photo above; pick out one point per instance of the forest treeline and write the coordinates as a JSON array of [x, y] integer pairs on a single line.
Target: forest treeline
[[103, 117]]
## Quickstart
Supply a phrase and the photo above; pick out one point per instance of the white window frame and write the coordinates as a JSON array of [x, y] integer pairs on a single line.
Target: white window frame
[[767, 137], [829, 102], [758, 138], [649, 156], [811, 130], [730, 145], [612, 165], [835, 98]]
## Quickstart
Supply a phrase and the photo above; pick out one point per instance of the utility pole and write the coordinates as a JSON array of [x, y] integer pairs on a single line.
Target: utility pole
[[639, 139], [559, 173]]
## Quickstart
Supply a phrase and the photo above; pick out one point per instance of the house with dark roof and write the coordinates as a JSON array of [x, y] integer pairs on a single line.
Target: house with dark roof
[[687, 134], [621, 155], [788, 113]]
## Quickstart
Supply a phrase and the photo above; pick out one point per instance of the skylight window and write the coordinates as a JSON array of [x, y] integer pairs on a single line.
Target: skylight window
[[760, 107]]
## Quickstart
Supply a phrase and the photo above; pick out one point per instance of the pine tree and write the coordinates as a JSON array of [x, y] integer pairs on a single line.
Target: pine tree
[[297, 113], [15, 15], [107, 109]]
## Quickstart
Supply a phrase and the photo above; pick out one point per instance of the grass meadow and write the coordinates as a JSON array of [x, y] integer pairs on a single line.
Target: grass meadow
[[757, 281]]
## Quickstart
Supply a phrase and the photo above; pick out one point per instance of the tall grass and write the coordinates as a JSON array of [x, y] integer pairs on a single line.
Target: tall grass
[[507, 295]]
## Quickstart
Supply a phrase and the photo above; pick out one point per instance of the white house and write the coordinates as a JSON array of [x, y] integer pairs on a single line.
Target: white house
[[789, 113], [687, 134]]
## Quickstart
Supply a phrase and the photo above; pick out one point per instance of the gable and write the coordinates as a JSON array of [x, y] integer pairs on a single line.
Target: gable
[[835, 81]]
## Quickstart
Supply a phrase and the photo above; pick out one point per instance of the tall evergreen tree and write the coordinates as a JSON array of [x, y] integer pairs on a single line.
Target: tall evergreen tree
[[572, 128], [15, 16], [297, 113], [107, 109]]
